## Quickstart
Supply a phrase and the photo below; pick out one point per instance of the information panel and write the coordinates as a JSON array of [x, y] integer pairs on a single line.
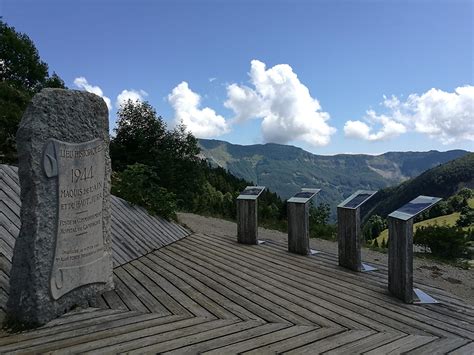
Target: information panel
[[79, 254], [304, 196], [357, 199], [414, 207], [251, 193]]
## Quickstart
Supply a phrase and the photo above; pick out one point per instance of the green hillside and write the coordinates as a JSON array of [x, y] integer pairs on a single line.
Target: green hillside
[[442, 181], [449, 220], [285, 169]]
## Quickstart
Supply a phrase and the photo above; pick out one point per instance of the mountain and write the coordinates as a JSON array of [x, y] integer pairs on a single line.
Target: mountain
[[441, 181], [285, 169]]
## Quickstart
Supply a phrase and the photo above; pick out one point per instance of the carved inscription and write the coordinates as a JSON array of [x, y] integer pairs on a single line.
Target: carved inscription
[[79, 254]]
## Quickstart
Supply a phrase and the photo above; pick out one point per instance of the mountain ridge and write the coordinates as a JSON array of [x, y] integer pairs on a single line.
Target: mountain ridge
[[285, 169]]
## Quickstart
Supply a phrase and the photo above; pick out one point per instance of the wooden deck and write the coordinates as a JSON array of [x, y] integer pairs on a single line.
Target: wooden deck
[[206, 293], [134, 232]]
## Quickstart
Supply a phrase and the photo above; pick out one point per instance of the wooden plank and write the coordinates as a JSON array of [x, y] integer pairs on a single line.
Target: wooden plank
[[441, 346], [257, 340], [138, 283], [114, 301], [366, 344], [248, 299], [190, 293], [216, 303], [331, 342], [180, 342], [154, 337], [82, 320], [314, 309], [70, 338], [466, 349], [402, 345], [168, 295], [138, 292], [127, 296], [296, 341], [365, 304]]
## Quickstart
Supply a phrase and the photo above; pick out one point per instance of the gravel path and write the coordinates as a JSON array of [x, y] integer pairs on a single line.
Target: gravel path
[[458, 281]]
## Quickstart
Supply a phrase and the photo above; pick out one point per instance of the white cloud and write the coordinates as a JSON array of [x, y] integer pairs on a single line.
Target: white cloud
[[203, 123], [82, 83], [446, 116], [361, 130], [133, 95], [283, 102], [212, 79]]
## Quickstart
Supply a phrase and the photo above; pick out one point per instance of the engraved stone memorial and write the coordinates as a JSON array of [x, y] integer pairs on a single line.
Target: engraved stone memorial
[[62, 257]]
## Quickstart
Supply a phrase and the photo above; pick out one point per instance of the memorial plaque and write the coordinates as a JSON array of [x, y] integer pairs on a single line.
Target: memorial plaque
[[414, 207], [251, 193], [79, 253], [357, 199], [304, 196]]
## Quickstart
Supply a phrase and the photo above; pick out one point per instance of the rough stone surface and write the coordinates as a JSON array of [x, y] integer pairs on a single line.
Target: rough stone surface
[[67, 116]]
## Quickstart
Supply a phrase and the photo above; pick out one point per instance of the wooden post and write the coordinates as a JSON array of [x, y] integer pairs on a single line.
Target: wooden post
[[349, 238], [298, 228], [247, 224], [400, 258]]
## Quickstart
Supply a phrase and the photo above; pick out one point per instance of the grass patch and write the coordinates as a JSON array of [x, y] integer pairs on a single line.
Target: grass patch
[[449, 220]]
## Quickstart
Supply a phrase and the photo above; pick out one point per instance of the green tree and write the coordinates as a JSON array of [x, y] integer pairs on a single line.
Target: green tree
[[374, 226], [22, 74], [142, 137], [466, 218], [140, 185], [444, 241]]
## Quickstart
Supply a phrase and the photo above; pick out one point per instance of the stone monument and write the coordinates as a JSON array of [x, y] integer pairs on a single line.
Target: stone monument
[[63, 255]]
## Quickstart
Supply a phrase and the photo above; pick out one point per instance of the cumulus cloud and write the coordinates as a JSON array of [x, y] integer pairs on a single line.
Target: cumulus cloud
[[288, 110], [202, 122], [82, 83], [446, 116], [133, 95]]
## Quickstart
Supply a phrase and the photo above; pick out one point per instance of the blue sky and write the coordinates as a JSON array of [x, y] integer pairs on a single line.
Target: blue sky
[[328, 76]]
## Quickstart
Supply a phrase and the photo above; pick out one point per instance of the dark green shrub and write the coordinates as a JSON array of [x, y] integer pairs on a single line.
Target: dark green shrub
[[139, 184], [444, 241]]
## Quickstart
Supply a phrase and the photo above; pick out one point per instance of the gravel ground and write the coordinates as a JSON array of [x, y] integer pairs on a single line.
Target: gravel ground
[[458, 281]]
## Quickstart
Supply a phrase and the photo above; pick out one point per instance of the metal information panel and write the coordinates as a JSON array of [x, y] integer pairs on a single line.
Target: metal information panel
[[357, 199], [304, 196], [251, 193], [414, 207]]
